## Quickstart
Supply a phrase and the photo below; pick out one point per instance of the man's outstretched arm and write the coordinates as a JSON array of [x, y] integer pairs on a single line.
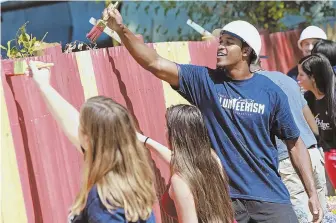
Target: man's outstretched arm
[[147, 57]]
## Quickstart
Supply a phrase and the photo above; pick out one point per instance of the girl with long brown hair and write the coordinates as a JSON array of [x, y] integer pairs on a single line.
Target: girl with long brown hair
[[317, 77], [117, 183], [198, 188]]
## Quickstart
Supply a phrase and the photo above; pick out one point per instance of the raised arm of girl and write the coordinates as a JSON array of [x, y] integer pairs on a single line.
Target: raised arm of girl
[[63, 112]]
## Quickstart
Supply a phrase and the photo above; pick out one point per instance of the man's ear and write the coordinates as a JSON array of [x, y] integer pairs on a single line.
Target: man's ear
[[247, 51]]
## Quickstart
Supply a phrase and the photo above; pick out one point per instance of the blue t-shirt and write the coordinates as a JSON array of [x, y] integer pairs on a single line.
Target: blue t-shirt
[[242, 118], [95, 212], [296, 103]]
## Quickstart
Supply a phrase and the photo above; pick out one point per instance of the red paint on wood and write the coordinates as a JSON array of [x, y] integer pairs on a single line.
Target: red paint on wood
[[24, 161], [281, 49], [203, 53], [49, 165]]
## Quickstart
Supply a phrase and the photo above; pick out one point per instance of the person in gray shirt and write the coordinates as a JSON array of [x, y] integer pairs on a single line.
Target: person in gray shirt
[[305, 121]]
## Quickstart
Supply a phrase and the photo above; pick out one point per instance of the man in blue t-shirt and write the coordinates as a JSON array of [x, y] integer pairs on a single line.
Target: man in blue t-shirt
[[243, 112]]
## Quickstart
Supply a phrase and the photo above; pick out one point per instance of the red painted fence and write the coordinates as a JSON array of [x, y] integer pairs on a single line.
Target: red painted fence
[[49, 166]]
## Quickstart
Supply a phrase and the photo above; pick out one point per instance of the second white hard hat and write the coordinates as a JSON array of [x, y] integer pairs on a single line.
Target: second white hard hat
[[247, 32], [311, 32]]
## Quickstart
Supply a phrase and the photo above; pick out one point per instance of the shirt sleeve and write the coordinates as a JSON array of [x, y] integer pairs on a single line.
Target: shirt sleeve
[[283, 125], [303, 101], [97, 213], [193, 82]]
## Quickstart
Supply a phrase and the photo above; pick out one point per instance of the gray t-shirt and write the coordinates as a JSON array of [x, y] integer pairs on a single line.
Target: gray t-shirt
[[296, 103]]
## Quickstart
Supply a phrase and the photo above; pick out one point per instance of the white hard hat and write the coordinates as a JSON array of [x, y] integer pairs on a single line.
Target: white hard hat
[[311, 32], [247, 33]]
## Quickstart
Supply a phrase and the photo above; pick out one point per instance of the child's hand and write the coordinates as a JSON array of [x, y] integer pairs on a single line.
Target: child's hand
[[40, 76]]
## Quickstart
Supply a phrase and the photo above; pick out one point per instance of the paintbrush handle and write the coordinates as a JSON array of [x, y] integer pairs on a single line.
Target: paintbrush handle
[[198, 28], [110, 6], [45, 65], [22, 68]]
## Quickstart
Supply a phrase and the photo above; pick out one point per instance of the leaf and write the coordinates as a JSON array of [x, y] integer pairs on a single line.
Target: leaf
[[27, 37], [30, 51], [158, 29], [22, 29], [12, 53], [166, 11], [17, 55], [9, 48], [146, 9], [32, 42], [26, 44], [156, 9], [20, 39], [2, 47]]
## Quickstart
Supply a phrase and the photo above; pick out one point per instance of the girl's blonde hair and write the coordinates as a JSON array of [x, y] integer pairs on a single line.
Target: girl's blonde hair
[[115, 161]]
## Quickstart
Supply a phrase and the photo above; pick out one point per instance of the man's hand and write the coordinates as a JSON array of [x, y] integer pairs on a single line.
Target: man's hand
[[114, 21], [40, 76], [315, 209]]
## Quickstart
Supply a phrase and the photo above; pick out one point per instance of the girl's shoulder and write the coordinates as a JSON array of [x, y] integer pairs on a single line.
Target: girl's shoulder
[[179, 188]]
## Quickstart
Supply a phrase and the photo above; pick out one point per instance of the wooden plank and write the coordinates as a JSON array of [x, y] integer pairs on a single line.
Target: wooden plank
[[87, 75], [12, 202], [23, 160]]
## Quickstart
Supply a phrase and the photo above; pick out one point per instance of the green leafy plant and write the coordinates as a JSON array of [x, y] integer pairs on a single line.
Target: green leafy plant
[[25, 45]]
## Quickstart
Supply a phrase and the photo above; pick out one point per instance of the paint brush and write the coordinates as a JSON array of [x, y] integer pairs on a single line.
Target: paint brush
[[198, 28], [107, 30], [98, 29], [21, 68]]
